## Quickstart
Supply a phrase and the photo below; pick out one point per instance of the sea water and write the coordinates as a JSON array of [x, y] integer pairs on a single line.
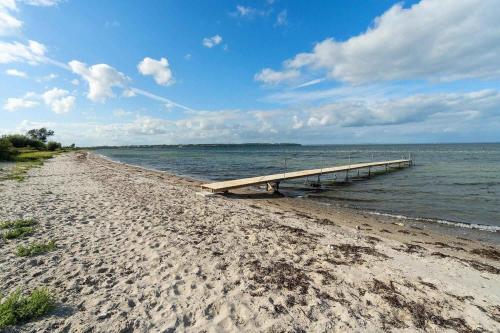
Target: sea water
[[454, 184]]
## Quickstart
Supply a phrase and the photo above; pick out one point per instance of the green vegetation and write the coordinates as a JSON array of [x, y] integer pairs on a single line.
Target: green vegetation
[[35, 156], [7, 151], [14, 146], [52, 145], [18, 232], [18, 228], [25, 161], [17, 309], [36, 248], [17, 224]]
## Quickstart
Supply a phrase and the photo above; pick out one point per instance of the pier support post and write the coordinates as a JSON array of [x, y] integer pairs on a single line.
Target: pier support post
[[273, 187], [369, 171]]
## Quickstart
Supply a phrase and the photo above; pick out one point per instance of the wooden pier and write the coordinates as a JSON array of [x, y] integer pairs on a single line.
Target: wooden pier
[[273, 181]]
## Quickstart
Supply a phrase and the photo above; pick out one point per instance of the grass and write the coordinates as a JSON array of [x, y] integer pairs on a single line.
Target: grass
[[17, 224], [35, 155], [18, 228], [27, 159], [36, 248], [18, 232], [17, 308]]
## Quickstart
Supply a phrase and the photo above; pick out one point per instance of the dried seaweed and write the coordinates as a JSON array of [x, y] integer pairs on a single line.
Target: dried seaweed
[[347, 254], [492, 254], [422, 314]]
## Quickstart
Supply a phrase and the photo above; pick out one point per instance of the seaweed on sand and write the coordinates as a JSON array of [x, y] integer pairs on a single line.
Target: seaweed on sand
[[279, 275], [491, 253], [482, 267], [347, 254], [421, 314]]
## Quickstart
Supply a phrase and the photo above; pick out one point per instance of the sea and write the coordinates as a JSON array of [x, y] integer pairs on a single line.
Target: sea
[[452, 185]]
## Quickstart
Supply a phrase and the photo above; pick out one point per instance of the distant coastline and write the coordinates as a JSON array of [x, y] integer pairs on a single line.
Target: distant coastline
[[196, 145]]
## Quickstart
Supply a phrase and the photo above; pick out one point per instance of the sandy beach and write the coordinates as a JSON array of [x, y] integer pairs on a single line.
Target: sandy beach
[[143, 251]]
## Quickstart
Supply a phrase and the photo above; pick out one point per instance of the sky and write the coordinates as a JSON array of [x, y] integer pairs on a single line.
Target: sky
[[323, 72]]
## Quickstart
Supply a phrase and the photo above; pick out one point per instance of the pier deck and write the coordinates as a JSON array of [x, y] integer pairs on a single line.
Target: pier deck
[[273, 180]]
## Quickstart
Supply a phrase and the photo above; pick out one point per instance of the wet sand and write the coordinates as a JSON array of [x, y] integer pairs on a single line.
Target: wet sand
[[142, 251]]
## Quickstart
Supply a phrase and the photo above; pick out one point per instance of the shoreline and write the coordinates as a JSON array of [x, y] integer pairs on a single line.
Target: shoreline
[[470, 231], [139, 250]]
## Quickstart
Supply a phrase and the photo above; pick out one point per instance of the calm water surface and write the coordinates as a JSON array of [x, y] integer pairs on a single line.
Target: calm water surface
[[448, 183]]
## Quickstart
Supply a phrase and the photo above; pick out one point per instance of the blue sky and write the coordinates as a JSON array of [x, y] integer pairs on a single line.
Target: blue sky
[[153, 72]]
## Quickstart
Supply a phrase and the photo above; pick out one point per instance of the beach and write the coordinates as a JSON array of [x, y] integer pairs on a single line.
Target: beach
[[144, 251]]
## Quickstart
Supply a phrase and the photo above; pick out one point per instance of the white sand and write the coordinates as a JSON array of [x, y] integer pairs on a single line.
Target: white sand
[[139, 251]]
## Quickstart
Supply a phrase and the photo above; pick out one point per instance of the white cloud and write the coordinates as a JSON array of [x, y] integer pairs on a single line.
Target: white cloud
[[42, 3], [282, 18], [245, 11], [212, 41], [425, 117], [8, 23], [47, 78], [250, 12], [101, 79], [269, 76], [121, 113], [58, 100], [411, 109], [75, 82], [32, 53], [433, 39], [15, 72], [26, 102], [159, 69]]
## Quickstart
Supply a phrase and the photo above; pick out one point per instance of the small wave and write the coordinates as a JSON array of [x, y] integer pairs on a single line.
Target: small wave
[[483, 227], [327, 197], [476, 183]]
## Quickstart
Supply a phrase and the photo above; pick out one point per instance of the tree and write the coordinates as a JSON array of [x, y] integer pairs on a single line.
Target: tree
[[40, 134]]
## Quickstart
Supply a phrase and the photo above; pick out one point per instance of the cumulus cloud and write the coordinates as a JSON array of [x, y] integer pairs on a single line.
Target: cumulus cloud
[[433, 40], [32, 53], [15, 72], [101, 79], [269, 76], [58, 100], [25, 102], [212, 41], [159, 69], [441, 116]]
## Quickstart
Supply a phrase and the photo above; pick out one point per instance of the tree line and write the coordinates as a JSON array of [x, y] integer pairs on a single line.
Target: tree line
[[34, 139]]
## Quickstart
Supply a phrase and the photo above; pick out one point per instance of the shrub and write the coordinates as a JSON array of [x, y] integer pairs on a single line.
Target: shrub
[[35, 248], [17, 140], [37, 144], [16, 308], [52, 145], [21, 141], [6, 150]]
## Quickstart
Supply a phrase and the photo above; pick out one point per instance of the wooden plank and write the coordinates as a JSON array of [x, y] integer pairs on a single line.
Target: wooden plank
[[244, 182]]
